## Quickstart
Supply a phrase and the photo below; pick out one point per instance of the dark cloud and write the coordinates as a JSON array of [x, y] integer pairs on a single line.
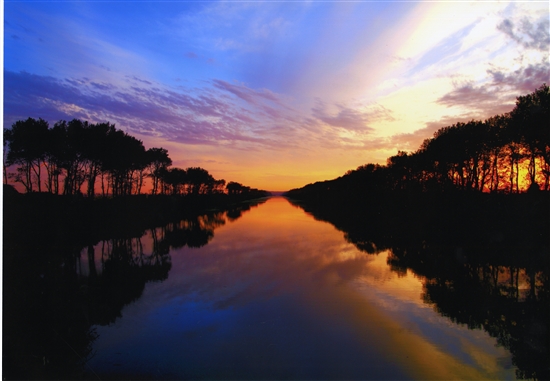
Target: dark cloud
[[527, 34]]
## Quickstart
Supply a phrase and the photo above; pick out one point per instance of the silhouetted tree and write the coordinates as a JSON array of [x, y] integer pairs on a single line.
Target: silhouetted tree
[[124, 156], [530, 121], [6, 135], [158, 160], [95, 138], [27, 148], [70, 153], [174, 180], [199, 181], [495, 147], [234, 187]]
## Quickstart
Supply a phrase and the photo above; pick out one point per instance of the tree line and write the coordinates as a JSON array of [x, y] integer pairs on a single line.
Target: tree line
[[78, 157], [508, 153]]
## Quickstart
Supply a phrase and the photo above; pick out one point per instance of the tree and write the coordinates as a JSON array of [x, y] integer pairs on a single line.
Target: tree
[[495, 146], [174, 179], [95, 138], [5, 152], [26, 147], [68, 153], [199, 180], [234, 187], [123, 157], [530, 121], [158, 160]]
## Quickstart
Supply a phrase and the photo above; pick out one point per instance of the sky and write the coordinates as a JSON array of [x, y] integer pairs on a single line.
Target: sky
[[273, 94]]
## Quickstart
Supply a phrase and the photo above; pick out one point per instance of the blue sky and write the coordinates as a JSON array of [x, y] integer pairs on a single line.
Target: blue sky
[[272, 94]]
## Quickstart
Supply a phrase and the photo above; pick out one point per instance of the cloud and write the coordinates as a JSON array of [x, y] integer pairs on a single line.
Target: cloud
[[102, 86], [265, 102], [139, 79], [527, 34], [346, 118], [228, 117], [471, 96], [514, 70], [498, 93], [445, 51], [245, 93], [220, 114], [525, 79]]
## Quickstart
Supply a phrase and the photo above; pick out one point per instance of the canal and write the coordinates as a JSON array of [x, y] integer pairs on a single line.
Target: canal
[[270, 293]]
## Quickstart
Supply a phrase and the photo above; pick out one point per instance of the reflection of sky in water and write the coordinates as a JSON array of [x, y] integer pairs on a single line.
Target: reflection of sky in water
[[400, 299], [277, 294]]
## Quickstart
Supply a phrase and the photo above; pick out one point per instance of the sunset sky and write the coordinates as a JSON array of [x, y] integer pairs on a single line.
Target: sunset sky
[[273, 94]]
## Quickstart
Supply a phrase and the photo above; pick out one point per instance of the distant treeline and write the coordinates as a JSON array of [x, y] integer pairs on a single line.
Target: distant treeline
[[78, 157], [507, 153]]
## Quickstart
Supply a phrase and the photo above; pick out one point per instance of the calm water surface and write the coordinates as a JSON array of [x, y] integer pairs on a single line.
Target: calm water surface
[[276, 294]]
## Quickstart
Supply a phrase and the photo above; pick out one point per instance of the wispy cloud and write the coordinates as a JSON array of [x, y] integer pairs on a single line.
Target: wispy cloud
[[221, 114], [471, 96], [345, 117]]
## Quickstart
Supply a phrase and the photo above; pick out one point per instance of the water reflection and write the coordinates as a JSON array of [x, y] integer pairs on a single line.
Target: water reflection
[[273, 294], [57, 294], [280, 295], [497, 282]]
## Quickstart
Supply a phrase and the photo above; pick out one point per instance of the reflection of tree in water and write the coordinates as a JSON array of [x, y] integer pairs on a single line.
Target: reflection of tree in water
[[509, 302], [56, 292], [125, 269], [491, 276], [237, 211], [46, 333], [193, 232]]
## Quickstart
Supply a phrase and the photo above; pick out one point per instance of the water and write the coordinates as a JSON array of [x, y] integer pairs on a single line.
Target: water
[[274, 294]]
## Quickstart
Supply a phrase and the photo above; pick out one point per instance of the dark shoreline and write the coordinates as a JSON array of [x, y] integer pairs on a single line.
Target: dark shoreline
[[493, 227], [49, 308], [86, 221], [458, 241], [473, 251]]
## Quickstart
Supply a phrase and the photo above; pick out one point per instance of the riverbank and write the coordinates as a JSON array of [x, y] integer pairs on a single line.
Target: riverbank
[[85, 221], [507, 227]]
